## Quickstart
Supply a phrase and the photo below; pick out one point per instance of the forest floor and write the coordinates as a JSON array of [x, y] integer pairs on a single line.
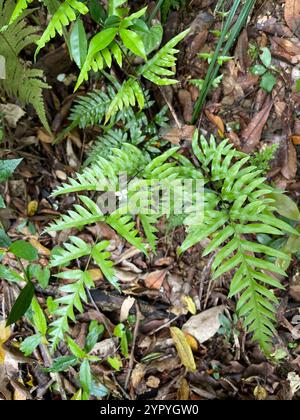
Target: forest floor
[[229, 366]]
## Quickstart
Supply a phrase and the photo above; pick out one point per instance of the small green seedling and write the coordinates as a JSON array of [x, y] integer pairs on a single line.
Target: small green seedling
[[265, 70]]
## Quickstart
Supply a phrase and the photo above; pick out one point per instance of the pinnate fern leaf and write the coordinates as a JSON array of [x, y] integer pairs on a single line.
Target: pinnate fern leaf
[[21, 81], [157, 69], [65, 14], [238, 208]]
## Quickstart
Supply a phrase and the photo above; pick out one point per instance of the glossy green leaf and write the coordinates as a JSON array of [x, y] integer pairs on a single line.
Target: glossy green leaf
[[39, 318], [286, 207], [30, 344], [22, 304], [24, 250], [133, 42], [85, 377], [62, 364], [75, 349], [266, 57], [78, 43], [268, 81]]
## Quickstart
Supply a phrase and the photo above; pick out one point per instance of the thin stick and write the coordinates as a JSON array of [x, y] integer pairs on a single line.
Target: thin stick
[[136, 330]]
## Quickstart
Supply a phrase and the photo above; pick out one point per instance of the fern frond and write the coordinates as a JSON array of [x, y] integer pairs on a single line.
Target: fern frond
[[73, 251], [157, 68], [19, 9], [21, 81], [149, 223], [129, 95], [64, 15], [101, 258], [91, 109], [112, 139], [126, 228], [239, 206], [101, 49], [73, 295], [78, 217]]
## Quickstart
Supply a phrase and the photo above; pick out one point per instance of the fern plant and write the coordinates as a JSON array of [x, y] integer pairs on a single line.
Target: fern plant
[[100, 177], [237, 206], [21, 81]]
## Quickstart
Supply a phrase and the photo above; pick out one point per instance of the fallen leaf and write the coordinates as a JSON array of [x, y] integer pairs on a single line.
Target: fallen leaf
[[296, 140], [192, 341], [44, 136], [175, 135], [42, 250], [190, 304], [12, 114], [204, 325], [138, 374], [260, 393], [183, 348], [217, 121], [252, 134], [125, 308], [292, 15], [153, 382], [4, 336], [294, 380], [183, 393], [155, 279], [289, 169], [32, 208]]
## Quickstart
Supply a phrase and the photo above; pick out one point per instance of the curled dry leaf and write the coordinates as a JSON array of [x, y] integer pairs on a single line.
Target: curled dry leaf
[[292, 15], [252, 134], [175, 135], [183, 348], [155, 280], [125, 308], [204, 325]]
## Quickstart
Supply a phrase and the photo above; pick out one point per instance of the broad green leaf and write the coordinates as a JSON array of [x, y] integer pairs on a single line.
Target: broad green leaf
[[75, 349], [85, 377], [7, 168], [39, 318], [115, 363], [183, 348], [24, 250], [258, 70], [30, 344], [97, 11], [95, 331], [266, 57], [5, 240], [61, 364], [268, 81], [22, 304], [79, 43], [10, 274], [286, 207], [153, 38], [41, 274], [113, 6], [102, 40], [133, 42]]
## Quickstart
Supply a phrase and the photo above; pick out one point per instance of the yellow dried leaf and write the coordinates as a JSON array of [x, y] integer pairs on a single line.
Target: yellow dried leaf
[[260, 393], [32, 208], [183, 348], [77, 396], [42, 250], [183, 393], [4, 336], [192, 341], [190, 304]]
